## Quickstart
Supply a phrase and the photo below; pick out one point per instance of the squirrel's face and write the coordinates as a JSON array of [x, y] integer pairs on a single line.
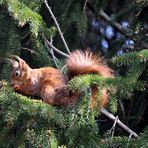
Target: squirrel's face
[[20, 72]]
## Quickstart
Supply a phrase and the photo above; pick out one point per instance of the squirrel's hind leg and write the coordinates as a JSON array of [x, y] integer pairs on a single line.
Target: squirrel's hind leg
[[55, 96], [48, 94]]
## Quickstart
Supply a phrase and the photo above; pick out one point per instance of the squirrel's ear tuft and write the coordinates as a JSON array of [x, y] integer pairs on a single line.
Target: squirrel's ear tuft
[[16, 61], [13, 63]]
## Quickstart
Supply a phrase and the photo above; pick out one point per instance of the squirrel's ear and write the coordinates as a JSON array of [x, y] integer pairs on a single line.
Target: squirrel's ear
[[22, 64]]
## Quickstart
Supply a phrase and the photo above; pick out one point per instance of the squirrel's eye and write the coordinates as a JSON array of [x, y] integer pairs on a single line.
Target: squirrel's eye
[[17, 73]]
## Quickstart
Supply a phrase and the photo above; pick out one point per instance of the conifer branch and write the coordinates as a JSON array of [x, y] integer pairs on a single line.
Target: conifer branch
[[57, 25], [123, 126]]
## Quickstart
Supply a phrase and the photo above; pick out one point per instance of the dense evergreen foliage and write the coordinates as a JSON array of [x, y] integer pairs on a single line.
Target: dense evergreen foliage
[[120, 34]]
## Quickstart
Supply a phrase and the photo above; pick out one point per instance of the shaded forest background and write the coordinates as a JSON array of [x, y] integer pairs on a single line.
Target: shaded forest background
[[116, 29]]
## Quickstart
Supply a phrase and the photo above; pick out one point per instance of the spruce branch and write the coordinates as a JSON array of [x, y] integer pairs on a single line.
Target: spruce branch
[[57, 25], [24, 15], [86, 81], [122, 125], [130, 58]]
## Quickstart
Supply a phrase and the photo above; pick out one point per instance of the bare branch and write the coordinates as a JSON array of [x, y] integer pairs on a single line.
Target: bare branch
[[130, 136], [123, 126], [116, 25], [53, 47], [57, 25], [122, 108], [62, 69], [84, 7], [113, 127], [28, 49], [51, 52], [26, 35]]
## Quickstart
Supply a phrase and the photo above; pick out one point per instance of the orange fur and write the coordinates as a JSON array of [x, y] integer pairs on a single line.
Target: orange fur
[[86, 62], [51, 85]]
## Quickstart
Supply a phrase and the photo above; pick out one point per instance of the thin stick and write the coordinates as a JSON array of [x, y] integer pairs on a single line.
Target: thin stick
[[113, 127], [52, 54], [57, 25], [53, 47], [84, 8], [62, 69], [28, 49], [123, 126]]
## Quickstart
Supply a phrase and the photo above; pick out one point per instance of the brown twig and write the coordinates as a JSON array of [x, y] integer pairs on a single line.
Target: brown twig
[[84, 7], [29, 50], [53, 47], [113, 127], [26, 35], [52, 53], [57, 25]]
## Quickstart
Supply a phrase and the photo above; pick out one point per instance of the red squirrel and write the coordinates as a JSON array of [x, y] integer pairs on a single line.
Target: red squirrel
[[51, 85]]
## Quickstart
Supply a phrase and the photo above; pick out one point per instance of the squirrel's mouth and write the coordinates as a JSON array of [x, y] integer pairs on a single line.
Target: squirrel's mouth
[[15, 84], [12, 84], [16, 87]]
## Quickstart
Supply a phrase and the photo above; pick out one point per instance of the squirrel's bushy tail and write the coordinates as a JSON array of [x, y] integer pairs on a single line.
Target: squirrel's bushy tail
[[80, 62]]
